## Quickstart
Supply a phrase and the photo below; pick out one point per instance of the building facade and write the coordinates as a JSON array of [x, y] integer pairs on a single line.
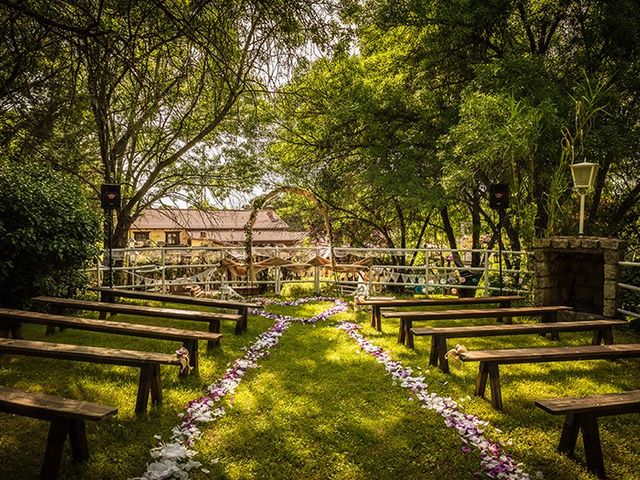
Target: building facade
[[210, 228]]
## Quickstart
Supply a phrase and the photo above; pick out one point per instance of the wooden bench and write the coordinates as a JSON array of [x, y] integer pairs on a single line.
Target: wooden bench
[[490, 360], [376, 304], [602, 332], [148, 362], [59, 305], [110, 294], [189, 338], [582, 415], [67, 418], [548, 314]]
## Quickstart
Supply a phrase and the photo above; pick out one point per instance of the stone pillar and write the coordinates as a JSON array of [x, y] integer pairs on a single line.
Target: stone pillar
[[572, 270]]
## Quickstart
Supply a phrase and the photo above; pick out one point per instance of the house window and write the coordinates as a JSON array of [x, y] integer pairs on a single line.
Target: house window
[[172, 238], [141, 236]]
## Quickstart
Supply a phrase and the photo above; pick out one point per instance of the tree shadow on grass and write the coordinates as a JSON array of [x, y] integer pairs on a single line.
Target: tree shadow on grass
[[320, 409]]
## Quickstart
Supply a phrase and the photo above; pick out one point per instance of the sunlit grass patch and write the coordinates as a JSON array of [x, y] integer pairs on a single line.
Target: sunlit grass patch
[[328, 413], [319, 407]]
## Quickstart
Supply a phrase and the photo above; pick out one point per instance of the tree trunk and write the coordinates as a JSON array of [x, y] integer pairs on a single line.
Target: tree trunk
[[451, 237], [475, 228]]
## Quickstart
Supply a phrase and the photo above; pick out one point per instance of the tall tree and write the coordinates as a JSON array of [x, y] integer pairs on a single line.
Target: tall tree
[[162, 78]]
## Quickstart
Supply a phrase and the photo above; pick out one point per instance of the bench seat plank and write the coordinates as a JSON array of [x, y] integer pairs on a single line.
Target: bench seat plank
[[175, 313], [603, 331], [110, 294], [601, 405], [213, 318], [553, 354], [63, 351], [134, 329], [490, 361], [377, 303], [44, 406], [162, 297], [148, 362], [189, 338], [476, 313], [67, 417], [415, 302], [405, 335], [523, 328]]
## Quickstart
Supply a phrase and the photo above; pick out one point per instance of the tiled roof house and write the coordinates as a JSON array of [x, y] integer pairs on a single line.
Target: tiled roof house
[[210, 228]]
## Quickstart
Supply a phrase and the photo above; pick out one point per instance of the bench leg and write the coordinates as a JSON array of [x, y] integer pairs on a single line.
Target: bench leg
[[238, 329], [144, 388], [214, 327], [496, 390], [50, 330], [441, 342], [402, 332], [245, 318], [569, 435], [156, 385], [378, 319], [481, 380], [598, 337], [551, 318], [107, 297], [78, 440], [16, 330], [505, 304], [592, 447], [408, 324], [433, 356], [55, 445], [608, 336]]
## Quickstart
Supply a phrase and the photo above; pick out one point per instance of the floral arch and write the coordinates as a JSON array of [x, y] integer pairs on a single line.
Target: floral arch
[[261, 201]]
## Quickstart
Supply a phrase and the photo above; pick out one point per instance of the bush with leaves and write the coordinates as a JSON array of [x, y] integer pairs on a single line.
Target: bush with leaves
[[48, 233]]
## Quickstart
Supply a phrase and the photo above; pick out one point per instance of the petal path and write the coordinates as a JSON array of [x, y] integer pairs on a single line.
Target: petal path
[[174, 458]]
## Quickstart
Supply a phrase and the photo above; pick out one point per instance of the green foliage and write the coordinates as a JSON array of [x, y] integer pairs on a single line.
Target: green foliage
[[48, 233], [444, 97]]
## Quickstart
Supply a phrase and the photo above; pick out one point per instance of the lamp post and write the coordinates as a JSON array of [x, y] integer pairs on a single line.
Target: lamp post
[[583, 175]]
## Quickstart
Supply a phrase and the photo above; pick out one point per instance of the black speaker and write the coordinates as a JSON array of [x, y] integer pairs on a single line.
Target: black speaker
[[499, 196], [110, 195]]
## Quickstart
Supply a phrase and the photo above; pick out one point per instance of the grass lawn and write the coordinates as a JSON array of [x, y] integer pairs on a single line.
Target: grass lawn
[[318, 407]]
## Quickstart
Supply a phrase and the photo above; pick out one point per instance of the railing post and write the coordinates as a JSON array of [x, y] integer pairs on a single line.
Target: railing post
[[487, 263], [316, 275], [162, 266], [426, 271], [277, 274]]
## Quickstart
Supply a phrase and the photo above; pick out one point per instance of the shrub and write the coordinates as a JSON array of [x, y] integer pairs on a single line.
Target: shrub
[[48, 233]]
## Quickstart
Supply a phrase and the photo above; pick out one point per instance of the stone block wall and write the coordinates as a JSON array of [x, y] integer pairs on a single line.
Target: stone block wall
[[582, 272]]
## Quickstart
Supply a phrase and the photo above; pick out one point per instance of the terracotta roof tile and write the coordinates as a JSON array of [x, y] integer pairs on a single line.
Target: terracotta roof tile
[[193, 219], [224, 227]]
